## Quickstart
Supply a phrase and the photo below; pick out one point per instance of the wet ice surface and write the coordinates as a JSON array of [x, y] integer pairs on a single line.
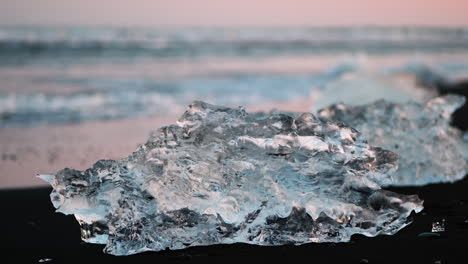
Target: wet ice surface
[[221, 175], [430, 150]]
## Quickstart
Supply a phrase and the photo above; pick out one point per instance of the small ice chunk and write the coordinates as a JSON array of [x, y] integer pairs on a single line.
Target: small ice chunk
[[438, 226]]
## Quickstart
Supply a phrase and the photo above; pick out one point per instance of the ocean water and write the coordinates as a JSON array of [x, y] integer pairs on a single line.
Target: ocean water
[[75, 74]]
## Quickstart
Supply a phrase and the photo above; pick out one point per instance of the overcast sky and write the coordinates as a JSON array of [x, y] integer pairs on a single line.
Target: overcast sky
[[235, 12]]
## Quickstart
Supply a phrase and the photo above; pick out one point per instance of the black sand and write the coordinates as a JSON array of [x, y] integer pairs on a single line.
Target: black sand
[[31, 231]]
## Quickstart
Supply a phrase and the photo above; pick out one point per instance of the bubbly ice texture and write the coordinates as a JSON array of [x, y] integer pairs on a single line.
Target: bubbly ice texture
[[430, 150], [221, 175]]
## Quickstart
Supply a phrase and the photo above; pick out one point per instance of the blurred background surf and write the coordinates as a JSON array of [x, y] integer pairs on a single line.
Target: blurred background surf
[[59, 74]]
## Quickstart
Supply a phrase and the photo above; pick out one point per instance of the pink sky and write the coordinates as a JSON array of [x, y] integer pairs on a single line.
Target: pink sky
[[236, 12]]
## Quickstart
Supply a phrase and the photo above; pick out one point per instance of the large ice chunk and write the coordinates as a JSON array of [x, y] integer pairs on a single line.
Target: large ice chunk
[[221, 175], [430, 150]]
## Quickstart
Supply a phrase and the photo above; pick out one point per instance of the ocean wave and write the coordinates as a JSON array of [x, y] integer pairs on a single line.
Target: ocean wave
[[155, 89], [102, 99], [225, 42], [36, 109]]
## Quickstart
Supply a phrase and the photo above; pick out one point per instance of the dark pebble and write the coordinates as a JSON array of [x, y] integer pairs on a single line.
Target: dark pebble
[[428, 235]]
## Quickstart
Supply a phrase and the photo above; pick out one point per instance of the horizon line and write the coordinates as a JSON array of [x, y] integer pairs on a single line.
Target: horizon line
[[273, 26]]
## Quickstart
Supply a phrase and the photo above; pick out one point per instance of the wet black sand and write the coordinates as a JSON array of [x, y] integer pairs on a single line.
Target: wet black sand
[[31, 231]]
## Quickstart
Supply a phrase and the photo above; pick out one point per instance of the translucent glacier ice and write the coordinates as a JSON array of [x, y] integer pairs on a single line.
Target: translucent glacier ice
[[221, 175], [430, 149]]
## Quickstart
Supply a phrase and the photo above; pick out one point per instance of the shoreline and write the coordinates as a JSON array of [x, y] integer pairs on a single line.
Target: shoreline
[[47, 149]]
